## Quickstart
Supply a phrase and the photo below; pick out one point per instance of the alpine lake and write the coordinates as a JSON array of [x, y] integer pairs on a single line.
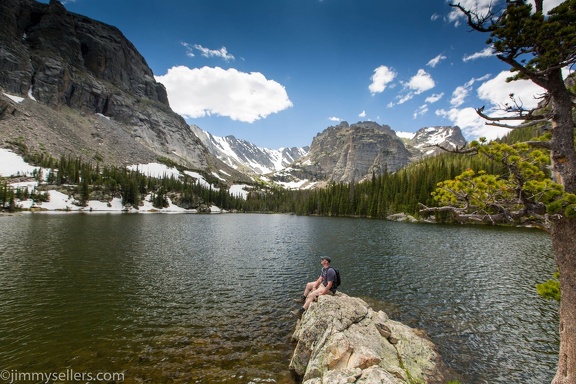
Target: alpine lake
[[187, 298]]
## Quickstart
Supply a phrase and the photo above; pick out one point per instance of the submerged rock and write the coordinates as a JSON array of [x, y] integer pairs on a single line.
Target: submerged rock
[[340, 339]]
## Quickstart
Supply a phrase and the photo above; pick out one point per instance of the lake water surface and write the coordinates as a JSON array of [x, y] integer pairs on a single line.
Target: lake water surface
[[206, 298]]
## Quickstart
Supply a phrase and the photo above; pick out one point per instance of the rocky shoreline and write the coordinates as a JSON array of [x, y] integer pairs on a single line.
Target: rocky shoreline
[[341, 339]]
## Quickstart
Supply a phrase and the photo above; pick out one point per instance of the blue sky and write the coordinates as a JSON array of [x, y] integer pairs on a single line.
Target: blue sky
[[278, 72]]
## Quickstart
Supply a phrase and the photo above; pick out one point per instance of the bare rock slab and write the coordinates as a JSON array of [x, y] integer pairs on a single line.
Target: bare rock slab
[[340, 339]]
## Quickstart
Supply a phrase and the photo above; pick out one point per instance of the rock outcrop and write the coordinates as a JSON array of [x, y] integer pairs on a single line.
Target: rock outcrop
[[402, 217], [350, 153], [64, 57], [87, 92], [340, 339]]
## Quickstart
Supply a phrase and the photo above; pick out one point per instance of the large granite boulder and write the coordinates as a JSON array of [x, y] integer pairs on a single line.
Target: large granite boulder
[[340, 339]]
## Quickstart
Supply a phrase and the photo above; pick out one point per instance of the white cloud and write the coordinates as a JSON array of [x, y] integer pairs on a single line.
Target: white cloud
[[497, 91], [421, 82], [459, 96], [472, 125], [381, 78], [362, 114], [189, 49], [200, 92], [434, 98], [221, 53], [486, 52], [549, 4], [475, 79], [334, 118], [421, 111], [405, 98], [435, 61]]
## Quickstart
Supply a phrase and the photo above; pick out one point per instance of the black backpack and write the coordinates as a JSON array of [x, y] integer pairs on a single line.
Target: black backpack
[[336, 283]]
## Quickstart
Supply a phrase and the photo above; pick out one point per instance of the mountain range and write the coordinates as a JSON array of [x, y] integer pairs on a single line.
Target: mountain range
[[247, 157], [70, 85], [342, 153]]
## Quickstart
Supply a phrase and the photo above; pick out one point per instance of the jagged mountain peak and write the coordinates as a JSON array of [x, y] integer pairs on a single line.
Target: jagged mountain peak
[[247, 157], [354, 152], [426, 140], [345, 127], [350, 153]]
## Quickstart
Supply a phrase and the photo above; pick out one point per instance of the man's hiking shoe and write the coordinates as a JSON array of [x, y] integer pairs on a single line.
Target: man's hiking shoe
[[300, 300], [298, 312]]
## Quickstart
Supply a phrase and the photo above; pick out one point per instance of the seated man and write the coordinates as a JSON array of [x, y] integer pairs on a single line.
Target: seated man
[[324, 285]]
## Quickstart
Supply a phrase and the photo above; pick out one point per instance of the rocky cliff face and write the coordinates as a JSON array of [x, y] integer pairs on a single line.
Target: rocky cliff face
[[340, 339], [71, 59], [83, 71], [247, 157], [346, 153]]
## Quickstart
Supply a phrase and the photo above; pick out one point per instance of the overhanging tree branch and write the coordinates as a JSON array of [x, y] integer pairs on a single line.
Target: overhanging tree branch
[[461, 150], [476, 20]]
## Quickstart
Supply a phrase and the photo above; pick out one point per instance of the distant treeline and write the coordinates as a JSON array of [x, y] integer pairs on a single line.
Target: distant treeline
[[401, 191]]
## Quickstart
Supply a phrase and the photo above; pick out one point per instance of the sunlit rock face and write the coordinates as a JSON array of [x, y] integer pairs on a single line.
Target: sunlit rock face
[[340, 339], [350, 153]]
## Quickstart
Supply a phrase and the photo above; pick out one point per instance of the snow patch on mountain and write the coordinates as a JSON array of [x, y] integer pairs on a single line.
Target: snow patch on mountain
[[428, 140], [13, 165], [405, 135], [245, 156]]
